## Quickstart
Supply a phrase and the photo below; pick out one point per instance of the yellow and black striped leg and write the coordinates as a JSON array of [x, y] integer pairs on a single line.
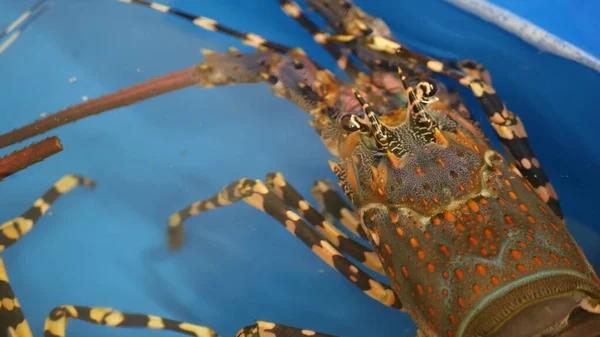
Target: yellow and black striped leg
[[334, 207], [13, 230], [11, 316], [277, 183], [12, 320], [292, 9], [268, 329], [511, 133], [56, 323], [474, 69], [258, 195], [250, 39]]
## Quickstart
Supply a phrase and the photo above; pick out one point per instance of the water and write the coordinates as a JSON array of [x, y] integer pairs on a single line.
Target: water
[[106, 247]]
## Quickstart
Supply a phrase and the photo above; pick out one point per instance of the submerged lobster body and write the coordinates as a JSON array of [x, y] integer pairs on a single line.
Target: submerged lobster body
[[471, 245], [468, 245], [470, 248]]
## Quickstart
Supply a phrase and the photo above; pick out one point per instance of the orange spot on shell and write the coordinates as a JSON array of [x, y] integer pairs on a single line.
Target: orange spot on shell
[[440, 162], [449, 216], [508, 220], [404, 271], [431, 268], [445, 250], [388, 248], [476, 288], [554, 226], [484, 251], [531, 219], [398, 287], [488, 233], [537, 261], [437, 221], [473, 241], [445, 275], [480, 269], [461, 302], [421, 255], [420, 289], [400, 231], [513, 195], [392, 272], [459, 274], [394, 217], [515, 254], [521, 268], [413, 242], [460, 227], [473, 206], [523, 207], [431, 312], [506, 182], [452, 319], [495, 280], [445, 292], [420, 172]]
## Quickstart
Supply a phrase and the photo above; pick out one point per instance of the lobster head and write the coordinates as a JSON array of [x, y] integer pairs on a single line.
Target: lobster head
[[469, 247], [415, 157]]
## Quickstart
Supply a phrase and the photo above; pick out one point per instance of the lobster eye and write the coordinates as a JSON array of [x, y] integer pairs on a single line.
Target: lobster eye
[[367, 31], [429, 89], [352, 123], [348, 125]]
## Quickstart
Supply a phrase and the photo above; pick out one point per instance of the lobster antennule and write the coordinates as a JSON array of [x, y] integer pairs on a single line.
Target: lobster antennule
[[386, 141], [376, 127], [418, 98]]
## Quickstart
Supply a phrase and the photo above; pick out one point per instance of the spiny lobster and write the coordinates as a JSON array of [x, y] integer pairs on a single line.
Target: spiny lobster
[[485, 251]]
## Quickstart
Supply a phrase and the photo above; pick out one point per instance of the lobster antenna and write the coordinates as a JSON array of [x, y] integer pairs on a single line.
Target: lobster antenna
[[250, 39]]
